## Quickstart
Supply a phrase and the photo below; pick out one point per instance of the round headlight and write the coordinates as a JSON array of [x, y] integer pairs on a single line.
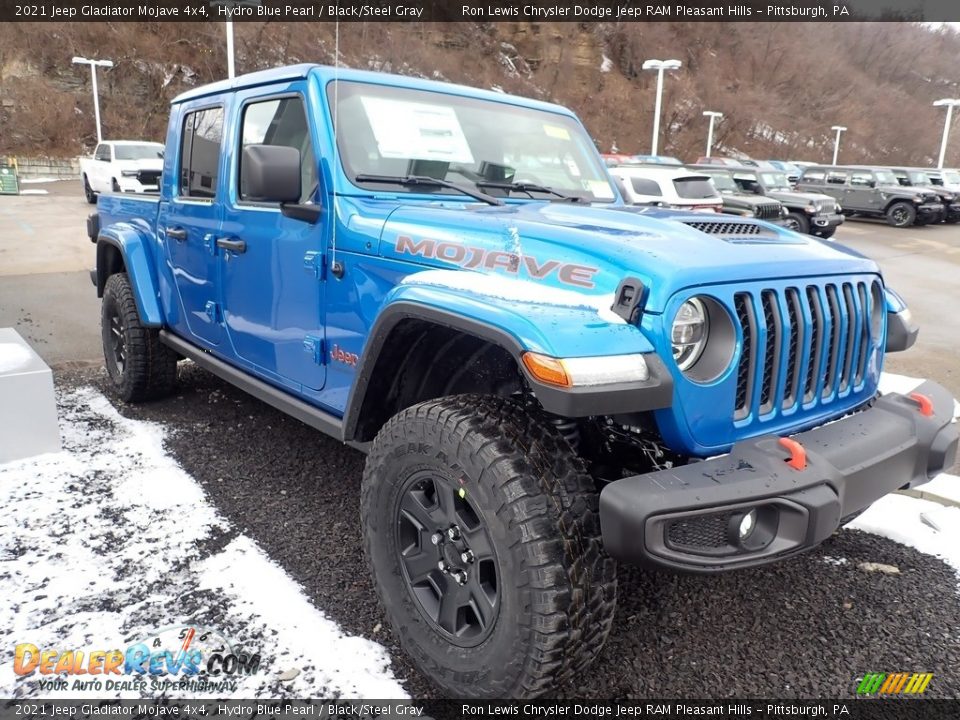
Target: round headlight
[[689, 333]]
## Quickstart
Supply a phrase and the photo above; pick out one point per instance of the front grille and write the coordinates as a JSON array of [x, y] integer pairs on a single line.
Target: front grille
[[700, 531], [826, 206], [766, 211], [801, 345], [149, 177]]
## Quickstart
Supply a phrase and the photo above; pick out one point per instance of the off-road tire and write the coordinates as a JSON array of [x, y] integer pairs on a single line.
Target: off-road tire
[[801, 221], [88, 192], [557, 587], [901, 214], [148, 369]]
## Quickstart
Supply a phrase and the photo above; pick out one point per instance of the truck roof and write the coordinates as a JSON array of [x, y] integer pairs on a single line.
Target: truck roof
[[327, 73]]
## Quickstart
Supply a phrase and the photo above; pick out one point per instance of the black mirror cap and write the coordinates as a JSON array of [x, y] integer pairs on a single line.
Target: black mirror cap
[[270, 173]]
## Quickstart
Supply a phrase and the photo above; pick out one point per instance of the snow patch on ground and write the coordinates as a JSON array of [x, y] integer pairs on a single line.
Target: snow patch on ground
[[898, 518], [105, 543], [30, 181], [13, 357], [34, 192], [506, 288], [606, 65]]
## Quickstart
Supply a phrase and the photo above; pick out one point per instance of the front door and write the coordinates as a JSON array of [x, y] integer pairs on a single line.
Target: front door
[[272, 265], [859, 194], [189, 224]]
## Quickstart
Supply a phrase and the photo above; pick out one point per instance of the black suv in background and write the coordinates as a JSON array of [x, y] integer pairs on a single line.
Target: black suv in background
[[807, 212], [739, 203], [920, 179], [872, 192]]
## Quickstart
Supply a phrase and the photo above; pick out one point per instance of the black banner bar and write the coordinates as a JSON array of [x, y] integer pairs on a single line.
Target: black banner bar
[[289, 709], [477, 10]]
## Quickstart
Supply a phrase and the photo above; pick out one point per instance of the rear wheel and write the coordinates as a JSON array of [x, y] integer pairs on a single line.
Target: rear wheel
[[901, 214], [482, 529], [88, 191], [138, 365], [797, 222]]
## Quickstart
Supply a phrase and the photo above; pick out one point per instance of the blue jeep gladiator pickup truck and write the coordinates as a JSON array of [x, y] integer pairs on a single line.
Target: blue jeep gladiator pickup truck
[[545, 380]]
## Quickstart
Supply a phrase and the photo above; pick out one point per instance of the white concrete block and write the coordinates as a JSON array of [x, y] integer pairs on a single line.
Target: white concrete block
[[28, 406]]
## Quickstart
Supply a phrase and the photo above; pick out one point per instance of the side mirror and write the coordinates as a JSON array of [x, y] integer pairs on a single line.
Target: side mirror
[[270, 173]]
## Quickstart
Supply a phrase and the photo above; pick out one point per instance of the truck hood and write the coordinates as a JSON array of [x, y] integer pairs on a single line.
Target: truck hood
[[591, 249], [799, 198]]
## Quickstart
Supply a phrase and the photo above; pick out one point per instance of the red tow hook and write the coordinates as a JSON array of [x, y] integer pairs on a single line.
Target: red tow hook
[[798, 456], [925, 403]]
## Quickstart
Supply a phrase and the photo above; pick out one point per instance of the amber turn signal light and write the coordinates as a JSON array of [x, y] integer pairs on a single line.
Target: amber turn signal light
[[546, 369]]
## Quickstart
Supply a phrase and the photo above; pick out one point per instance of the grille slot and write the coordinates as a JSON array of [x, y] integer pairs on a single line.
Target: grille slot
[[700, 531], [743, 305], [801, 345], [714, 227], [765, 211]]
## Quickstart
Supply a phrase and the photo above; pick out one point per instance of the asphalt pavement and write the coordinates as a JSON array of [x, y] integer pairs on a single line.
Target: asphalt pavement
[[807, 627]]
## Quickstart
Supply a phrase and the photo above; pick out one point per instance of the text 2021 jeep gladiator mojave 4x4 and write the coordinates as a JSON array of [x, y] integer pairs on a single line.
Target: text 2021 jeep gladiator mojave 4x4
[[545, 381]]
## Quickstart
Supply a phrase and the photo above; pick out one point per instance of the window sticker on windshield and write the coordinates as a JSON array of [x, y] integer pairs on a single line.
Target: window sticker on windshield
[[572, 166], [555, 131], [416, 130], [600, 189]]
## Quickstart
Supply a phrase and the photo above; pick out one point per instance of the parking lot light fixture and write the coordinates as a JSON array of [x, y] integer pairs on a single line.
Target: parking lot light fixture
[[660, 66], [950, 104], [836, 143], [93, 74], [713, 115]]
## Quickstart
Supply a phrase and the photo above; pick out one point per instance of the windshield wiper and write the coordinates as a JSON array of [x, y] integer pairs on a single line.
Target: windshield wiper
[[529, 189], [415, 180]]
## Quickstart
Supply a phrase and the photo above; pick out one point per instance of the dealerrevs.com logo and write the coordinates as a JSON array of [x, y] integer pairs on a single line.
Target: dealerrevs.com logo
[[901, 683], [185, 657]]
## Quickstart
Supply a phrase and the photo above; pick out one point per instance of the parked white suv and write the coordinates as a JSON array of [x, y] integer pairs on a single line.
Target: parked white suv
[[667, 187], [122, 166]]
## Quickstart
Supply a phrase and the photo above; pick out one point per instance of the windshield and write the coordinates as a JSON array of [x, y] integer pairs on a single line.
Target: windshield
[[137, 152], [885, 177], [723, 182], [398, 132], [920, 178], [775, 181], [694, 188]]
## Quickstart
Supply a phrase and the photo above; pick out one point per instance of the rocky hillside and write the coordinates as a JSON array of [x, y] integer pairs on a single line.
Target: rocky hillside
[[780, 86]]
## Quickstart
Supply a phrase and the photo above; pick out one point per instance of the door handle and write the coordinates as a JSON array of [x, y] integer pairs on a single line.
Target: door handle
[[237, 246], [178, 234]]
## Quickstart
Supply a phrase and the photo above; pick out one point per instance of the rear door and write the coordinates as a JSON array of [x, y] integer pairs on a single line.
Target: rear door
[[189, 223], [99, 177], [272, 265]]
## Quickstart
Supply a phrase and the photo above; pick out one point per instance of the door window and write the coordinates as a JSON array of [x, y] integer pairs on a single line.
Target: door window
[[643, 186], [200, 153], [861, 179], [280, 121], [837, 178], [103, 152], [813, 176]]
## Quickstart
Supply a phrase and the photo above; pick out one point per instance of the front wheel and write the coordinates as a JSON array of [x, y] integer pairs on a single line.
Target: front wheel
[[138, 365], [901, 214], [482, 529], [797, 222]]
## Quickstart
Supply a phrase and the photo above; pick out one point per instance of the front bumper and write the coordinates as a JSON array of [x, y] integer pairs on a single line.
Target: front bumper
[[928, 210], [688, 517], [826, 221], [953, 212]]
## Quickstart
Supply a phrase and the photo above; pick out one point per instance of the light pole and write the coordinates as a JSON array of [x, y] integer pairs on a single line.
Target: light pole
[[93, 74], [836, 143], [660, 66], [950, 104], [713, 115]]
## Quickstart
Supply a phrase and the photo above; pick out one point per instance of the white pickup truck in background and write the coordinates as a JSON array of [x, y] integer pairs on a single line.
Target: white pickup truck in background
[[122, 166]]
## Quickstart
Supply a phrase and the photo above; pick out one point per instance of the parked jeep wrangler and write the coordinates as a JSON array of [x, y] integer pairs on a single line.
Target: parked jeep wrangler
[[743, 204], [545, 381], [921, 180], [809, 213], [873, 192]]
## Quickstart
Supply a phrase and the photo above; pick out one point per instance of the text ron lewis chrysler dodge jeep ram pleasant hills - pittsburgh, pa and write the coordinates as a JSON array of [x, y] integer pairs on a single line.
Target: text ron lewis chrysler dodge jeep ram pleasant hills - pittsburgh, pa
[[545, 380]]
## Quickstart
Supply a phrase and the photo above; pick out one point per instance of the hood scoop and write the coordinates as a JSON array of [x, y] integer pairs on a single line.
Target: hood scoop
[[737, 231]]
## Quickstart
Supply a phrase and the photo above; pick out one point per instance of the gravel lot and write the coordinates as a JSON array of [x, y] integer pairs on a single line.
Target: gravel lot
[[803, 628]]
